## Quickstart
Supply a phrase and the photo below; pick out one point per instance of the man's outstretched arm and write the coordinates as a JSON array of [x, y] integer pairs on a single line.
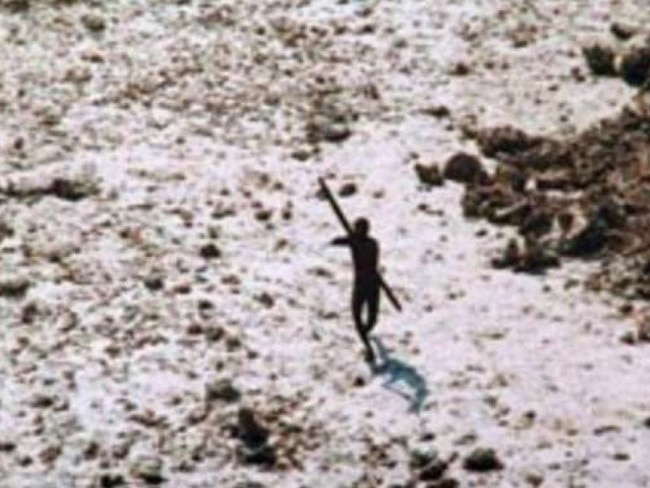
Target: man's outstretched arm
[[340, 241]]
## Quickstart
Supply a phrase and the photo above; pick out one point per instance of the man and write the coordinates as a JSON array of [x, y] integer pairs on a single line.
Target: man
[[365, 255]]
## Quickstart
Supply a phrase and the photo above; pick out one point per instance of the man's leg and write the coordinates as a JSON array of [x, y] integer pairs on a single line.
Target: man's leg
[[373, 308], [357, 306]]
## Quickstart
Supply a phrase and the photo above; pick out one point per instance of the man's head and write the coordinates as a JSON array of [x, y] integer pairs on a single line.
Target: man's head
[[361, 227]]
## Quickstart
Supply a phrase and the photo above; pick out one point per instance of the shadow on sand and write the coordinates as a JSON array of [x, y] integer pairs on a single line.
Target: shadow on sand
[[415, 389]]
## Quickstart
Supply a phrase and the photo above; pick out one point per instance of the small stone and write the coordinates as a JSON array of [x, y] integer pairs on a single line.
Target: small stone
[[111, 480], [50, 454], [148, 469], [249, 430], [464, 168], [635, 65], [646, 423], [94, 22], [460, 69], [72, 189], [154, 282], [16, 6], [348, 189], [266, 299], [336, 132], [7, 446], [444, 483], [437, 111], [210, 251], [600, 59], [14, 286], [628, 338], [222, 389], [482, 460], [623, 31], [429, 175]]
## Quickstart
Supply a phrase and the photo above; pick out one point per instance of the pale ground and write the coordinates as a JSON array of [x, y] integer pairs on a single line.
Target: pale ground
[[179, 111]]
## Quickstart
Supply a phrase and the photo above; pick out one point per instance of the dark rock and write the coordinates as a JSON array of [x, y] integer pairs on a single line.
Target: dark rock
[[536, 258], [438, 111], [111, 480], [628, 338], [154, 282], [444, 483], [635, 65], [249, 429], [14, 286], [623, 31], [348, 189], [460, 69], [511, 256], [646, 423], [589, 240], [16, 6], [266, 299], [600, 59], [255, 448], [464, 168], [429, 175], [148, 469], [72, 189], [482, 460], [7, 446], [50, 454], [504, 140], [210, 251], [222, 389], [94, 22], [263, 454]]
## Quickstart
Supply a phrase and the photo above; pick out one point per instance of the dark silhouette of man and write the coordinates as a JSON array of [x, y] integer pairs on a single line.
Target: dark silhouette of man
[[365, 255]]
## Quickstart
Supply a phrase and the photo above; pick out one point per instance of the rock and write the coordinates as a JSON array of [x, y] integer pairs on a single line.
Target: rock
[[588, 237], [14, 286], [324, 129], [628, 338], [111, 480], [460, 69], [210, 251], [600, 59], [437, 111], [429, 175], [249, 430], [73, 189], [464, 168], [154, 281], [263, 454], [50, 453], [623, 31], [93, 22], [16, 6], [536, 258], [635, 65], [7, 446], [646, 423], [444, 483], [254, 448], [348, 189], [222, 389], [147, 469], [504, 140], [266, 299], [482, 460], [511, 256]]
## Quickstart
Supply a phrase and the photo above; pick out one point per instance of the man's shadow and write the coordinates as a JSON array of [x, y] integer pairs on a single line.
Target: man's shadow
[[415, 389]]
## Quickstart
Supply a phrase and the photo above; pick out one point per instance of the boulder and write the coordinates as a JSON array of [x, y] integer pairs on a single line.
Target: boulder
[[464, 168]]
